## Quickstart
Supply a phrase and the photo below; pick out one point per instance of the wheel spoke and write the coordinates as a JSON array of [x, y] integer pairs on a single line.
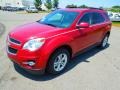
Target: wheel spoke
[[60, 57], [56, 64], [60, 62], [105, 41], [64, 57]]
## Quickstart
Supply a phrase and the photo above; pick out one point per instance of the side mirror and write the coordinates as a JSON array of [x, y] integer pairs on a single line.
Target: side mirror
[[83, 25]]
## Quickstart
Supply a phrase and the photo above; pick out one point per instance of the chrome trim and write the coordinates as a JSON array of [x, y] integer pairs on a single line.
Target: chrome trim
[[91, 15], [13, 42], [9, 52]]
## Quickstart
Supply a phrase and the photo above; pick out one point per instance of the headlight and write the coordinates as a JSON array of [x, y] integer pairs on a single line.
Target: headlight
[[34, 44]]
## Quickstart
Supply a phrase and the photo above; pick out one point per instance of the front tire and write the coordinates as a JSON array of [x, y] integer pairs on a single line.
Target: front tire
[[58, 61]]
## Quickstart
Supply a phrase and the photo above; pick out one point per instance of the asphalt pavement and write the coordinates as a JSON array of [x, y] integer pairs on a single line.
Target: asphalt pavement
[[94, 70]]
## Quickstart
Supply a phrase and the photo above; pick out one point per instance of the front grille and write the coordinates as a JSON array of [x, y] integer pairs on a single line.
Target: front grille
[[12, 50], [14, 41]]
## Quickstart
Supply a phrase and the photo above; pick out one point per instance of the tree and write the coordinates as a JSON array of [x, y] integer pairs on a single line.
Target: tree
[[116, 7], [55, 3], [38, 4], [71, 6], [48, 4], [83, 6], [75, 6]]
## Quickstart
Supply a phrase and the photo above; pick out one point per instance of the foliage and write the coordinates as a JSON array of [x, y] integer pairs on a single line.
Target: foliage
[[75, 6], [48, 4], [38, 4], [71, 6], [83, 6], [55, 3], [115, 9]]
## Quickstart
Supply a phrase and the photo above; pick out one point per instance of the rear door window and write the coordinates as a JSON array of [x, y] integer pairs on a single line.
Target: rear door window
[[97, 18]]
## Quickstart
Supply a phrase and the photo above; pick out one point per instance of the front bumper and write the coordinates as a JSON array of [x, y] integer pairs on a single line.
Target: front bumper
[[33, 72], [20, 56]]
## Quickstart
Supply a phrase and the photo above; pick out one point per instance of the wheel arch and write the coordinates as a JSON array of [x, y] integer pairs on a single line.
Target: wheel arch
[[67, 47], [108, 33]]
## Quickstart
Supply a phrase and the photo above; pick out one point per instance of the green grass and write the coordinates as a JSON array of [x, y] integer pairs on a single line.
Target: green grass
[[44, 11], [117, 24]]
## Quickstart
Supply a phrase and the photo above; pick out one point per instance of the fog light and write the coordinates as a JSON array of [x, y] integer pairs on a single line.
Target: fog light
[[30, 63]]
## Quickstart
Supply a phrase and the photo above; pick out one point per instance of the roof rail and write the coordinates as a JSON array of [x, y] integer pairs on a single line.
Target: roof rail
[[95, 8]]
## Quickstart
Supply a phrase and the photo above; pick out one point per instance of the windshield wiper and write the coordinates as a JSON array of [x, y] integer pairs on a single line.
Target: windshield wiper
[[50, 24], [47, 24]]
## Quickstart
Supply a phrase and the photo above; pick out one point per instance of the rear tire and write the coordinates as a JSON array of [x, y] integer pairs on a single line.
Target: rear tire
[[58, 61], [104, 42]]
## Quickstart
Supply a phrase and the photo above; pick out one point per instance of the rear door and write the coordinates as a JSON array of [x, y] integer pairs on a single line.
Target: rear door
[[98, 25], [91, 35]]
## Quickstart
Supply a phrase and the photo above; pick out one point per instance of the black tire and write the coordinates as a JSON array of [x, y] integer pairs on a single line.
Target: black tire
[[50, 66], [104, 42]]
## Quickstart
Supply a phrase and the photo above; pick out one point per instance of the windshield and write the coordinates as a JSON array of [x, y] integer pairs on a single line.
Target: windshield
[[59, 18], [32, 8]]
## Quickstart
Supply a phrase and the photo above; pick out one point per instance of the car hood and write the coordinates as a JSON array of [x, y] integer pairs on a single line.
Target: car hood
[[33, 30]]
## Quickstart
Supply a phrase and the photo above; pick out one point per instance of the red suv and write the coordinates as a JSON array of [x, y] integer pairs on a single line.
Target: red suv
[[49, 44]]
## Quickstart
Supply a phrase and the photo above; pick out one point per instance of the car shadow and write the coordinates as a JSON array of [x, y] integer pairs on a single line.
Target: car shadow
[[84, 57]]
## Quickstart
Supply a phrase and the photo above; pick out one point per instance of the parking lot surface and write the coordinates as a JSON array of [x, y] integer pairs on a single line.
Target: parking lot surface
[[94, 70]]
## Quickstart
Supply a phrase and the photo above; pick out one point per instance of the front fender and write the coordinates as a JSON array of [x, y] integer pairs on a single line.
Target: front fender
[[50, 46], [55, 42]]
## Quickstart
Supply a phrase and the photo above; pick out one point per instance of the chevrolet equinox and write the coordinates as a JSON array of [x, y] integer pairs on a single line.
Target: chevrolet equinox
[[49, 43]]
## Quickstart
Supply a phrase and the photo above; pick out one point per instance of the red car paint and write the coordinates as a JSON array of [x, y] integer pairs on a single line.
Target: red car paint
[[76, 38]]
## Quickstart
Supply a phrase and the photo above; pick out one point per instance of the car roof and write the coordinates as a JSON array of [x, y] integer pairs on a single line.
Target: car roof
[[83, 9]]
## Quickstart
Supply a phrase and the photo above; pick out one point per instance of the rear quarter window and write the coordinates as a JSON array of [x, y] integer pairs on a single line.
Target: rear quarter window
[[107, 16]]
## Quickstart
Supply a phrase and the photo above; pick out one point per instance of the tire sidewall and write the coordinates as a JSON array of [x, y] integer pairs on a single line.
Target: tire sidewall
[[104, 46], [50, 66]]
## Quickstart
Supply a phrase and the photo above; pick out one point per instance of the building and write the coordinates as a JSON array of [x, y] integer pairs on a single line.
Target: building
[[27, 3], [21, 3], [14, 3], [44, 7]]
